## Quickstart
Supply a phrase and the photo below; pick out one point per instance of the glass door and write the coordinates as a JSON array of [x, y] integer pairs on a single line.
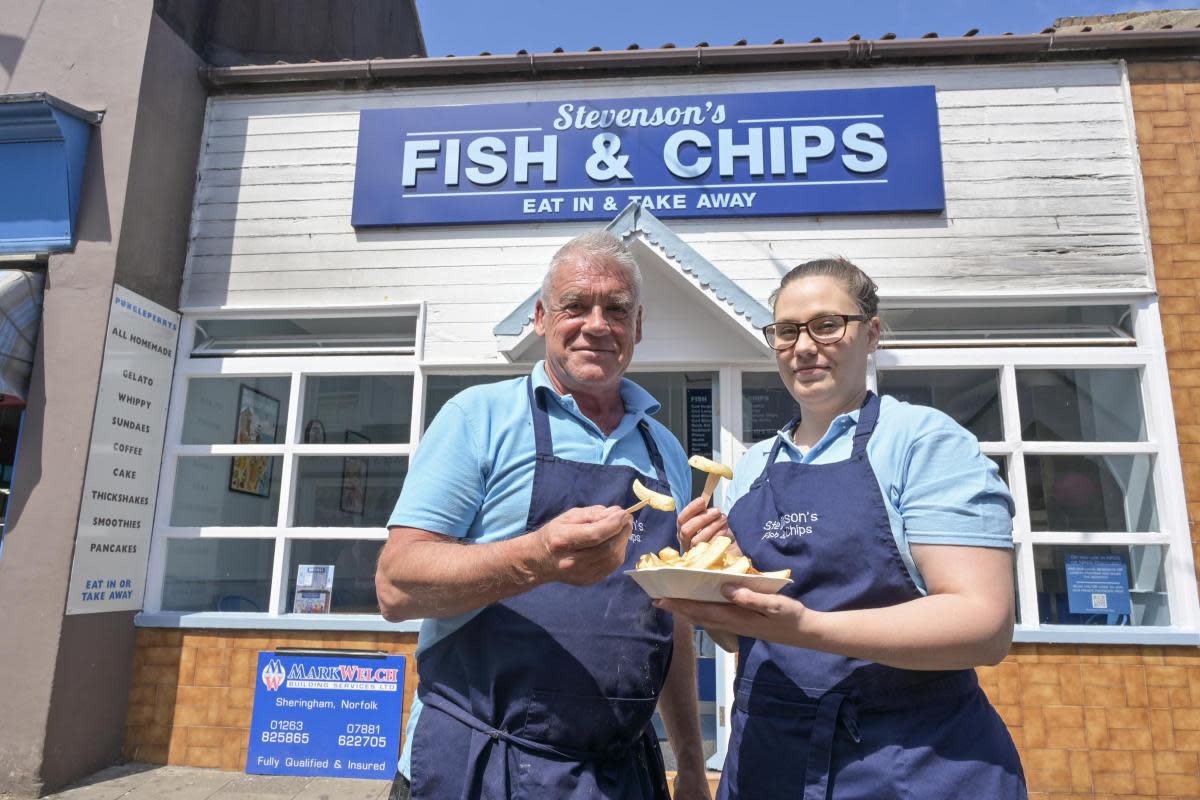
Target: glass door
[[689, 400]]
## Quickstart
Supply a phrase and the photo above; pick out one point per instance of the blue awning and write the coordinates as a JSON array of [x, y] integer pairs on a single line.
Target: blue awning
[[43, 145]]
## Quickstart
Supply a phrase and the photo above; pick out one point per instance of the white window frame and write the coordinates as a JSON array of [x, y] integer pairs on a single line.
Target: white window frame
[[1148, 355], [296, 367]]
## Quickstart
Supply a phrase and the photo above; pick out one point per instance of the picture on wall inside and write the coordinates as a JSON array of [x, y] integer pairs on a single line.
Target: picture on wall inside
[[354, 477], [257, 420]]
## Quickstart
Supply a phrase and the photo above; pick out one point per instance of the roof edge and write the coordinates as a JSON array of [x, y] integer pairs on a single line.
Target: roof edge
[[637, 219], [853, 52]]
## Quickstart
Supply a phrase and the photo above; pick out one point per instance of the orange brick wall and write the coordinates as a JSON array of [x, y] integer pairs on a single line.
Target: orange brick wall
[[192, 691], [1091, 722]]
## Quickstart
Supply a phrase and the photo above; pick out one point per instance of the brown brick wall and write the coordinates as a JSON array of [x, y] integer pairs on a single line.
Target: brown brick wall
[[192, 691], [1091, 722]]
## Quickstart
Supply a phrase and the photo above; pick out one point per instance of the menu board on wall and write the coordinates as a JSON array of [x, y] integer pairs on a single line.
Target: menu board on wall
[[699, 422], [116, 515]]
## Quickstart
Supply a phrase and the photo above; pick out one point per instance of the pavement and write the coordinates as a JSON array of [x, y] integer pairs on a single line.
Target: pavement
[[135, 781]]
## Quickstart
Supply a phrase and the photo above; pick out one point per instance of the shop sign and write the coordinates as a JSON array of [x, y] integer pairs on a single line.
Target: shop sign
[[1097, 584], [721, 155], [326, 713], [116, 515]]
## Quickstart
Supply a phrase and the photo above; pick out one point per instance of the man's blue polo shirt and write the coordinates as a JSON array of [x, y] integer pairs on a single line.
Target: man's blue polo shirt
[[472, 474], [937, 487]]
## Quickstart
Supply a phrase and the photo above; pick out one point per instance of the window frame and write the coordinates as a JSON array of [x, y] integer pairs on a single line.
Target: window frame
[[296, 367], [1148, 356]]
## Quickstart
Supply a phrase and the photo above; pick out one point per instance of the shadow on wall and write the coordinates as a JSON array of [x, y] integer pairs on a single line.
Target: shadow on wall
[[94, 224]]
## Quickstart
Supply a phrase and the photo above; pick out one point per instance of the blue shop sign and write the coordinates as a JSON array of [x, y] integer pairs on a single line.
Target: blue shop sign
[[1097, 584], [328, 714], [731, 155]]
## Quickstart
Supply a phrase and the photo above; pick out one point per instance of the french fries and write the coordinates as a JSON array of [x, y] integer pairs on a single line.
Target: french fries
[[648, 497], [713, 555]]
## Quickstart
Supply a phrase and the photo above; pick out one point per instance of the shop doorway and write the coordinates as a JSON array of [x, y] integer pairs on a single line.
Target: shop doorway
[[688, 410]]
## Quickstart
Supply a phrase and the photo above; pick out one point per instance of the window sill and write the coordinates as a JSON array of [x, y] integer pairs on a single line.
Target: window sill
[[231, 620], [1101, 634]]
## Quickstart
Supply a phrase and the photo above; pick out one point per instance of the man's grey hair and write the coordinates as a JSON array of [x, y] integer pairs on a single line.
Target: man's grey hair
[[595, 247]]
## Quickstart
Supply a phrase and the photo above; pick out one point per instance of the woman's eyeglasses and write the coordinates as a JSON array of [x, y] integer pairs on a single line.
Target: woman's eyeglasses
[[825, 329]]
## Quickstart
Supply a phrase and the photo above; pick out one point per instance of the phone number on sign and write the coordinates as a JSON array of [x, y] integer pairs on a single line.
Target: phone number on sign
[[350, 740]]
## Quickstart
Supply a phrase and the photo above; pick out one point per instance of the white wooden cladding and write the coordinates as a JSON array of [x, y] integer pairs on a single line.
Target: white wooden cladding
[[1041, 184]]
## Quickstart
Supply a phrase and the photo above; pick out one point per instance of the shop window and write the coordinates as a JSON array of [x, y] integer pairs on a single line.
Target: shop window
[[1072, 404], [440, 388], [1002, 326], [218, 575], [367, 333], [971, 397], [766, 406], [353, 574], [288, 443]]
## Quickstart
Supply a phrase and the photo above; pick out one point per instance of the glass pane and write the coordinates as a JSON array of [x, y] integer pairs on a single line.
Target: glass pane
[[1145, 573], [1002, 465], [766, 406], [971, 397], [1103, 324], [1091, 493], [359, 409], [347, 492], [236, 410], [361, 333], [218, 575], [226, 490], [440, 388], [1080, 405], [353, 562]]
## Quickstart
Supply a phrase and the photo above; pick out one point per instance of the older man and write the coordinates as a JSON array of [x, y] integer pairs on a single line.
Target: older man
[[540, 662]]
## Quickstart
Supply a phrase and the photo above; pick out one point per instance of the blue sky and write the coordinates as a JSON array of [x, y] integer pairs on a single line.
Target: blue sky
[[466, 27]]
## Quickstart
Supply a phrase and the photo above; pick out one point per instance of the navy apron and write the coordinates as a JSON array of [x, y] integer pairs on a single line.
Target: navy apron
[[550, 694], [816, 726]]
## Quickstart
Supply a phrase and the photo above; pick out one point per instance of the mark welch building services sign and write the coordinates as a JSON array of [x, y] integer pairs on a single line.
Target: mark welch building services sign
[[762, 154], [326, 714], [116, 516]]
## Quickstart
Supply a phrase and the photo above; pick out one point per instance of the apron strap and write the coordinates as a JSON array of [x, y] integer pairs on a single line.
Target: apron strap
[[504, 738], [831, 708], [544, 443], [868, 415], [656, 459]]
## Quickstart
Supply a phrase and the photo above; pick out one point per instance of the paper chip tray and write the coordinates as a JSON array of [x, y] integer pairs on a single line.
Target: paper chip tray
[[698, 584]]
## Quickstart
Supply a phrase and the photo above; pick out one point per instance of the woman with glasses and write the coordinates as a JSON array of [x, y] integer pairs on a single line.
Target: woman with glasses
[[857, 679]]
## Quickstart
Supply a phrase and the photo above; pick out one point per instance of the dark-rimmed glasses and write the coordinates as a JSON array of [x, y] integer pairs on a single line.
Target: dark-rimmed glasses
[[825, 329]]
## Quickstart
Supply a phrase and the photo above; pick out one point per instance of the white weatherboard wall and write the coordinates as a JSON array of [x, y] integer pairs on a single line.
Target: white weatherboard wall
[[1041, 181]]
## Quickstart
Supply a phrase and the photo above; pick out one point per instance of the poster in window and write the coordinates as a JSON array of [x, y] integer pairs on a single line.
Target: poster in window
[[354, 477], [257, 421], [314, 589]]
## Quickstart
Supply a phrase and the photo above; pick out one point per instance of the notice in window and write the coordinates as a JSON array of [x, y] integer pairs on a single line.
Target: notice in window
[[1097, 584], [120, 485]]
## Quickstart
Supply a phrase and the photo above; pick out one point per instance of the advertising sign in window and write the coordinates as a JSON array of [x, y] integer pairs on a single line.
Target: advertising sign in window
[[326, 714], [841, 151]]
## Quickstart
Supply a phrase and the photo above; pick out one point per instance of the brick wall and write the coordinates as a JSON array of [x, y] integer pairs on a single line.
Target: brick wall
[[192, 691]]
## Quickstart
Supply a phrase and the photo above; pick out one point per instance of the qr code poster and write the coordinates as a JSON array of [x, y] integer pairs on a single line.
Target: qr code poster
[[1097, 583]]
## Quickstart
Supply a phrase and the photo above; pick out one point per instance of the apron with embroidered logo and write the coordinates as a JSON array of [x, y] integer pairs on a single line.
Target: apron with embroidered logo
[[818, 726], [550, 694]]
